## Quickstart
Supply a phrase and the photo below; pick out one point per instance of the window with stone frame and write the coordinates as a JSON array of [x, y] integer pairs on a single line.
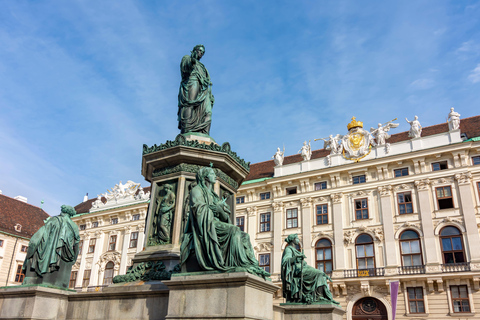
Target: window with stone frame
[[112, 244], [323, 258], [460, 301], [476, 160], [416, 302], [136, 217], [91, 245], [1, 243], [410, 249], [24, 248], [265, 222], [80, 246], [404, 202], [400, 172], [264, 195], [292, 218], [108, 275], [365, 252], [359, 179], [95, 224], [86, 278], [73, 279], [133, 239], [322, 214], [320, 185], [264, 261], [444, 197], [292, 190], [441, 165], [114, 221], [240, 222], [82, 227], [240, 200], [19, 274], [361, 209], [452, 245]]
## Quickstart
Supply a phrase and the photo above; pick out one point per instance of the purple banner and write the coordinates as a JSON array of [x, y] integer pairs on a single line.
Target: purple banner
[[394, 295]]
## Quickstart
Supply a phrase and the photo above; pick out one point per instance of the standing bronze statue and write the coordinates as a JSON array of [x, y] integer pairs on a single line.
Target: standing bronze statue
[[52, 251], [195, 98], [163, 216], [302, 283]]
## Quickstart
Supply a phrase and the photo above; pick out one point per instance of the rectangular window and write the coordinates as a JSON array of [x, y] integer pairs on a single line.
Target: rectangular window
[[80, 247], [86, 278], [114, 221], [444, 197], [133, 240], [292, 218], [460, 298], [265, 222], [73, 279], [264, 261], [91, 245], [359, 179], [321, 185], [112, 243], [265, 196], [24, 249], [405, 202], [415, 300], [400, 172], [240, 222], [322, 214], [476, 160], [292, 190], [83, 227], [361, 209], [1, 243], [442, 165], [95, 224], [19, 275], [136, 217], [240, 200]]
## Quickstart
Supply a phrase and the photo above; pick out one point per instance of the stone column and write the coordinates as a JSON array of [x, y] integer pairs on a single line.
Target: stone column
[[468, 211], [387, 220], [141, 236], [126, 240], [98, 251], [277, 217], [252, 218], [177, 220], [81, 270], [307, 228], [337, 217], [423, 191]]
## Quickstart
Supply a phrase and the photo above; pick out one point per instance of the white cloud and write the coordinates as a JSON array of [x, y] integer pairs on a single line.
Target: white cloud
[[422, 84], [474, 76]]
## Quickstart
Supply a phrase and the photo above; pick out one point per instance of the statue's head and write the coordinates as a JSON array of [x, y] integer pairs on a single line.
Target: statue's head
[[278, 149], [292, 238], [451, 109], [167, 187], [416, 118], [198, 51], [379, 125], [206, 174], [68, 210]]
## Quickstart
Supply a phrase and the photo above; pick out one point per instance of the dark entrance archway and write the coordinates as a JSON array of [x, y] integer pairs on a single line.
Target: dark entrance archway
[[369, 308]]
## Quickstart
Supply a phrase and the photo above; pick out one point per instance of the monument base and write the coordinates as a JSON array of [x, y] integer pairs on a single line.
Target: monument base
[[237, 295], [327, 311]]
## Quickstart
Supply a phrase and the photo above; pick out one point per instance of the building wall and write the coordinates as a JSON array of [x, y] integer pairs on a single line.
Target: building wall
[[11, 257]]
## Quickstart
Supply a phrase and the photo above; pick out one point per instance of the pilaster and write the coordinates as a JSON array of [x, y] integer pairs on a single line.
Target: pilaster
[[307, 206], [126, 240], [277, 236], [81, 270], [337, 217], [100, 235], [385, 193]]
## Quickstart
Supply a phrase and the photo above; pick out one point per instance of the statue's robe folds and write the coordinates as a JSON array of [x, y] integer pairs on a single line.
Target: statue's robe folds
[[217, 245], [52, 251], [302, 283], [194, 113]]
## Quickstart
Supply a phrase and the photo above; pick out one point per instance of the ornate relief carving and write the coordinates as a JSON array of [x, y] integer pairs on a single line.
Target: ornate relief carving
[[464, 177], [251, 211], [264, 247], [115, 257], [402, 187], [407, 224], [359, 194], [320, 199], [352, 291], [449, 219], [278, 206], [441, 181], [383, 290], [378, 234], [306, 202], [385, 190], [348, 237], [336, 197], [422, 184]]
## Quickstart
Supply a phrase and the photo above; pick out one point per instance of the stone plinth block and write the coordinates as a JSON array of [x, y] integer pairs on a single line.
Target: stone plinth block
[[33, 302], [237, 295], [312, 312]]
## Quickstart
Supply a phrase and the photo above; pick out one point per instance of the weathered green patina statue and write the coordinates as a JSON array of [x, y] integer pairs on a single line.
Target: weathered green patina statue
[[163, 216], [195, 98], [211, 242], [302, 283], [52, 251]]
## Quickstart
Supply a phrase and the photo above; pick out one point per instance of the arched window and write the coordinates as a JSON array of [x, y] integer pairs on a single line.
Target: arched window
[[323, 259], [452, 245], [410, 249], [107, 279], [365, 252]]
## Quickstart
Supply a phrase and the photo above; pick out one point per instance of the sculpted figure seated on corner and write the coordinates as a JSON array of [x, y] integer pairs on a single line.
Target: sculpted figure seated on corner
[[302, 283], [52, 251], [211, 242]]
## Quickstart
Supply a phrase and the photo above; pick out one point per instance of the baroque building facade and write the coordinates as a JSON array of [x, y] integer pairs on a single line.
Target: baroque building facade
[[111, 232], [406, 209]]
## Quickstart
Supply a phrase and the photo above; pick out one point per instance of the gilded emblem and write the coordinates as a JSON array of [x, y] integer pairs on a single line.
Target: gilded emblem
[[358, 143]]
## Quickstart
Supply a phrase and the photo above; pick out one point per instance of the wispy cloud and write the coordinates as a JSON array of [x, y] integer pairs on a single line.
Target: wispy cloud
[[474, 76]]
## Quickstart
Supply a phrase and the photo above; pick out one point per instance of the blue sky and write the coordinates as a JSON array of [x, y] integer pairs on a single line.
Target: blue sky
[[84, 84]]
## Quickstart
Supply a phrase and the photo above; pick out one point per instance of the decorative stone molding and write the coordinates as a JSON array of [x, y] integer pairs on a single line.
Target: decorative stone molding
[[114, 256], [98, 233], [320, 199], [278, 206], [422, 184], [464, 177], [306, 202], [336, 197], [383, 290], [141, 227], [403, 186], [348, 237], [127, 229], [264, 247], [352, 291], [251, 211], [385, 190], [359, 194], [378, 234], [365, 288], [441, 181]]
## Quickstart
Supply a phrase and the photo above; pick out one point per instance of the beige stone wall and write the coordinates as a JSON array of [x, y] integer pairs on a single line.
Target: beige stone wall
[[10, 257]]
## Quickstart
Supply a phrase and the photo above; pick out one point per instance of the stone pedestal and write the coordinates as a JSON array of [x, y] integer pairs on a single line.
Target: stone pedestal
[[312, 312], [33, 302], [237, 295]]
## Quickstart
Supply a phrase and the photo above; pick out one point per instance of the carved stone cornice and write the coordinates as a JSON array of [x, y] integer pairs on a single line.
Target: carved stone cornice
[[360, 193], [463, 177], [319, 199], [264, 247], [422, 184], [251, 211], [306, 202], [403, 187], [441, 181], [278, 206], [385, 191], [336, 197]]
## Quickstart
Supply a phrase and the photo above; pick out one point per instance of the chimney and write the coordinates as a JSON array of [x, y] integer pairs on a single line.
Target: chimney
[[85, 198], [21, 198]]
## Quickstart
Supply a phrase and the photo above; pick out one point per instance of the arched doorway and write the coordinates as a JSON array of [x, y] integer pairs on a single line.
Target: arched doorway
[[369, 308]]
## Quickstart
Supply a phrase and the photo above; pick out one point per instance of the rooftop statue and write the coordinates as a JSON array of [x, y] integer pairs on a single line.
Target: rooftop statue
[[332, 143], [415, 128], [278, 157], [306, 151], [380, 134], [195, 98], [302, 283], [211, 242], [52, 251], [453, 120]]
